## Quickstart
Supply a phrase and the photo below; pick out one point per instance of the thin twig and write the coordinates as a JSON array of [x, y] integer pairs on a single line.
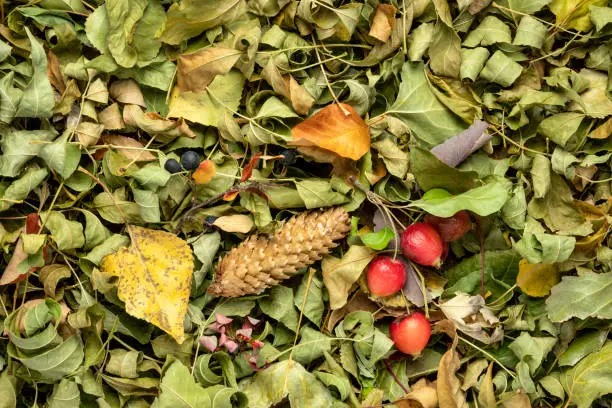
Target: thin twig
[[395, 377]]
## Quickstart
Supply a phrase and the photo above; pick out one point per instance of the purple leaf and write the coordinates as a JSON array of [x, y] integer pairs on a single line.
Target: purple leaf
[[459, 147]]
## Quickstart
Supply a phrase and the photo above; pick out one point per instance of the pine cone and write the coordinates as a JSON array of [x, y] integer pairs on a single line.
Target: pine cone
[[259, 263]]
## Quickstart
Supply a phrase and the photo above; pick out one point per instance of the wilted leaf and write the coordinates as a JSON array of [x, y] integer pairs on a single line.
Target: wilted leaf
[[383, 22], [133, 149], [463, 308], [196, 71], [154, 278], [336, 128]]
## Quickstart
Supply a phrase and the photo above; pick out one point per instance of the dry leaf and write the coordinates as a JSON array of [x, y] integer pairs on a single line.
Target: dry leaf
[[165, 130], [53, 73], [10, 274], [287, 86], [154, 278], [205, 172], [97, 92], [127, 91], [518, 400], [19, 319], [486, 396], [197, 70], [602, 131], [472, 317], [423, 394], [383, 23], [234, 223], [132, 145], [89, 133], [360, 301], [537, 279], [450, 394], [337, 128], [111, 117]]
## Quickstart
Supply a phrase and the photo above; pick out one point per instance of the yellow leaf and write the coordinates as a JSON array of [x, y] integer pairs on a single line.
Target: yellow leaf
[[197, 70], [154, 278], [574, 13], [337, 128], [537, 279]]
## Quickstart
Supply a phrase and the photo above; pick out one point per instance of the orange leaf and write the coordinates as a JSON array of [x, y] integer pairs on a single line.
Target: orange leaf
[[205, 172], [383, 23], [231, 196], [248, 170], [337, 128]]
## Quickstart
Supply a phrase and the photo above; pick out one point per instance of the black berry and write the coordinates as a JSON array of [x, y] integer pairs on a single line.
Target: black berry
[[289, 157], [190, 160], [172, 166], [210, 219]]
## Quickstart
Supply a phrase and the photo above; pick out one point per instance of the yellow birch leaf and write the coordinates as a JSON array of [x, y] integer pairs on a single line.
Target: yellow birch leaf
[[537, 279], [154, 278]]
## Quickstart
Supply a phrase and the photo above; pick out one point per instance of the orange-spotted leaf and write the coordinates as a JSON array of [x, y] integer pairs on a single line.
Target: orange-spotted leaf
[[154, 278], [205, 172], [337, 128], [537, 279]]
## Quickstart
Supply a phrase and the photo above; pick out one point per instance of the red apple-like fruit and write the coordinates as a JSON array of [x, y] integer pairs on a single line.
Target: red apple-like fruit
[[411, 333], [386, 276], [451, 228], [422, 244]]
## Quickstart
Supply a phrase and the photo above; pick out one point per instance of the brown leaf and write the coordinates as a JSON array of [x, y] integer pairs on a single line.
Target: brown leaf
[[450, 394], [537, 279], [197, 70], [11, 274], [164, 130], [383, 23], [518, 400], [359, 301], [248, 170], [53, 72], [89, 133], [154, 278], [132, 145], [486, 396], [337, 128], [423, 394], [602, 131], [127, 91], [287, 86], [111, 117]]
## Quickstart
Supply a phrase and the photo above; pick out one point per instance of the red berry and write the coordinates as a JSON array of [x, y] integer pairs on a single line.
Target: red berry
[[422, 244], [410, 333], [451, 228], [386, 276]]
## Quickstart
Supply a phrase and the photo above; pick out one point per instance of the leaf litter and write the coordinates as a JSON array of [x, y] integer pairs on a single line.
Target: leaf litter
[[146, 144]]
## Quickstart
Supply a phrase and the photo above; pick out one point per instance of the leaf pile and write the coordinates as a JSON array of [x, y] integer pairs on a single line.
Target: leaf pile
[[109, 248]]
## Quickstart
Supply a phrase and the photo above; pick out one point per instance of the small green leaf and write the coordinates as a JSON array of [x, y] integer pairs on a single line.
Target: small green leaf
[[378, 240]]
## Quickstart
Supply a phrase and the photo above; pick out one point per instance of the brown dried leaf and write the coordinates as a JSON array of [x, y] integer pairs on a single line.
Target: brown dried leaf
[[197, 70], [132, 145], [450, 394], [165, 130], [53, 72], [127, 91], [383, 23], [111, 117], [337, 128], [154, 278], [486, 396], [287, 86], [602, 131], [89, 133], [234, 223], [423, 394], [10, 274]]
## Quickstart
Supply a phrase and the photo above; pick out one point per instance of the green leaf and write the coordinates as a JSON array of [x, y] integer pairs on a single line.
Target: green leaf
[[110, 245], [339, 274], [285, 379], [66, 234], [395, 159], [152, 177], [417, 106], [19, 189], [8, 390], [540, 174], [185, 19], [106, 206], [589, 379], [205, 248], [61, 156], [484, 200], [309, 299], [279, 306], [179, 389], [472, 62], [38, 99], [561, 127], [585, 344], [17, 149], [501, 69], [318, 193], [445, 51], [148, 202], [208, 106], [430, 173], [9, 98], [490, 31], [313, 344], [65, 394], [587, 295], [378, 240], [530, 32], [532, 350], [95, 232]]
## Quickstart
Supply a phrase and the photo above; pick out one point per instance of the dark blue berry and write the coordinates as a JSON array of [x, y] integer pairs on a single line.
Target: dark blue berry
[[210, 219], [172, 166], [289, 157], [190, 160]]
